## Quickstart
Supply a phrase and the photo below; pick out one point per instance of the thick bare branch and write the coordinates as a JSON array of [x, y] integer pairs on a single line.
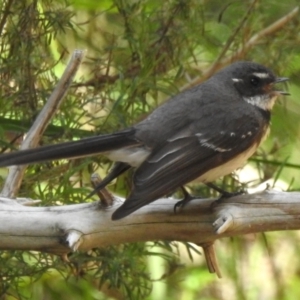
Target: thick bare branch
[[84, 226]]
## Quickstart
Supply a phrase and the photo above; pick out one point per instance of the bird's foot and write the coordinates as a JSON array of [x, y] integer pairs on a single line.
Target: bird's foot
[[187, 197], [225, 194]]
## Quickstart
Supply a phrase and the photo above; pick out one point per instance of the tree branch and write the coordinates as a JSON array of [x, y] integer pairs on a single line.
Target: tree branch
[[218, 64], [16, 173], [84, 226]]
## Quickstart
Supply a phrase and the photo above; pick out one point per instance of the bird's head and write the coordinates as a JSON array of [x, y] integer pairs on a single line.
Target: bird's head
[[255, 83]]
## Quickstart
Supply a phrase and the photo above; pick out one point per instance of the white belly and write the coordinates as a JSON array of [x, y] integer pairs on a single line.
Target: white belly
[[228, 167]]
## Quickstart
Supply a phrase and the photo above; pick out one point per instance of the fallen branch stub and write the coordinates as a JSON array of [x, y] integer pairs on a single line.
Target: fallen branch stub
[[267, 211]]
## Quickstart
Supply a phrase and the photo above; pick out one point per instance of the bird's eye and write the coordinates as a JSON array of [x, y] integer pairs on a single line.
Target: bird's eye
[[255, 81]]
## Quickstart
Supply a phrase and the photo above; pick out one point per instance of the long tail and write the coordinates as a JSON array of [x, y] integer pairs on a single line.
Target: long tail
[[84, 147]]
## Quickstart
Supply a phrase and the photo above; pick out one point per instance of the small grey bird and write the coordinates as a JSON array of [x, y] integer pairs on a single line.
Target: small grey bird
[[205, 132]]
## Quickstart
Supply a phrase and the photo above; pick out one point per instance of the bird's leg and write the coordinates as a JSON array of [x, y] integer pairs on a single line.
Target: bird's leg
[[187, 197], [118, 169], [224, 194]]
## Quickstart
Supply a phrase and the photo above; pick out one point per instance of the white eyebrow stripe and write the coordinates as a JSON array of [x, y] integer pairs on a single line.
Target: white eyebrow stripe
[[236, 79], [261, 75]]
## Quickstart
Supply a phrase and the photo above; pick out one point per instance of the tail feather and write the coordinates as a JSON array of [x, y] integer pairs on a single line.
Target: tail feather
[[84, 147], [128, 207]]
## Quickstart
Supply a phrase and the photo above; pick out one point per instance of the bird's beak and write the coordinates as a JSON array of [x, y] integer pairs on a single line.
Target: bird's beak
[[281, 79]]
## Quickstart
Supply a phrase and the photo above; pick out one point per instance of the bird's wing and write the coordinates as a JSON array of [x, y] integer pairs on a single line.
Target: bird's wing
[[188, 155]]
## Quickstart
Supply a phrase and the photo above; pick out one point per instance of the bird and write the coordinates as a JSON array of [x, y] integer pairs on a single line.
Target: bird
[[204, 132]]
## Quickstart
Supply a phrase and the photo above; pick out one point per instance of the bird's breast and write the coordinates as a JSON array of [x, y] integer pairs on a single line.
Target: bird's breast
[[229, 166], [235, 163]]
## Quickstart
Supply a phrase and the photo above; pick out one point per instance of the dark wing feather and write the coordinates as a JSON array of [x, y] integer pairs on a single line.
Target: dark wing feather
[[185, 158]]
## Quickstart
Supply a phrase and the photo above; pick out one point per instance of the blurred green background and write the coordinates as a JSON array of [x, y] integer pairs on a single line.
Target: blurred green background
[[138, 54]]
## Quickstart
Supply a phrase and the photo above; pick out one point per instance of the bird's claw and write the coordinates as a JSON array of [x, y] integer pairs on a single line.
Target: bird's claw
[[186, 199], [225, 194]]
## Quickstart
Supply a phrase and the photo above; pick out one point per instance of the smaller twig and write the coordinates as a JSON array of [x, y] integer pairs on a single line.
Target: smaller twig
[[28, 202], [105, 196], [15, 175], [230, 40], [274, 162], [211, 260], [5, 13], [274, 27]]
